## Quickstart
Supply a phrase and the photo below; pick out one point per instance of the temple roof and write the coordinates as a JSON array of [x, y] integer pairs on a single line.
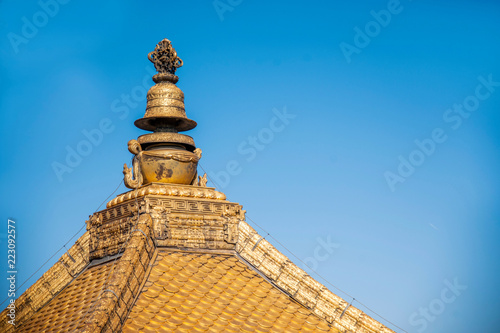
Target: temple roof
[[218, 292], [179, 262], [173, 255], [66, 311]]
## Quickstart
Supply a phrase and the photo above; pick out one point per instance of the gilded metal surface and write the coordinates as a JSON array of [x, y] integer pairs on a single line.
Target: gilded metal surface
[[174, 154], [174, 166], [165, 102], [170, 190], [109, 229], [165, 99], [165, 156], [201, 181], [124, 280], [160, 137], [168, 166], [132, 177], [165, 58]]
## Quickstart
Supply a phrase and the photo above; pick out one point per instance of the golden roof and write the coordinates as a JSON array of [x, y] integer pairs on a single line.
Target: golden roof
[[66, 311], [199, 292], [172, 258], [173, 255]]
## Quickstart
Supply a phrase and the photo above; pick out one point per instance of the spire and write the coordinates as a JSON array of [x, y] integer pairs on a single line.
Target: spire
[[164, 156], [165, 109]]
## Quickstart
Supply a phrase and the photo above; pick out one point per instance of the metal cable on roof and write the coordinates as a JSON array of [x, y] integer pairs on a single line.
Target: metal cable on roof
[[116, 258], [64, 246], [319, 275], [133, 228]]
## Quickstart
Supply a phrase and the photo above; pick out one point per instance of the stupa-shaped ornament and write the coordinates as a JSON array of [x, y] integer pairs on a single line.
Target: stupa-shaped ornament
[[164, 156]]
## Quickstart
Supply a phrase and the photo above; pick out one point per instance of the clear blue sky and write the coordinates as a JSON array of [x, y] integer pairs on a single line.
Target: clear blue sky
[[392, 153]]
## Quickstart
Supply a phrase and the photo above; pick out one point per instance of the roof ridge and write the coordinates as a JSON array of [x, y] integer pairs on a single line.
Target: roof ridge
[[299, 285], [118, 295], [177, 224], [69, 266]]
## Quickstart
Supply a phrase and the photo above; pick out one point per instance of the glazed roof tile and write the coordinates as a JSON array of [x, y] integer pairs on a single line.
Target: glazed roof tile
[[66, 311], [208, 292]]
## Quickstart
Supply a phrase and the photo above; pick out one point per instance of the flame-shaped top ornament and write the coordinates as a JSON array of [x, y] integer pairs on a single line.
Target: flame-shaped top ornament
[[165, 58]]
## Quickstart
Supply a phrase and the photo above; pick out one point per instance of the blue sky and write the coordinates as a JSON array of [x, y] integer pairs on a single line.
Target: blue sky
[[371, 126]]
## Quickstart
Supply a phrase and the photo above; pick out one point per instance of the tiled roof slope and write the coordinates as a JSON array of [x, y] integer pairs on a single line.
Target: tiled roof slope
[[208, 292], [186, 264], [293, 280], [65, 270], [97, 300], [66, 311]]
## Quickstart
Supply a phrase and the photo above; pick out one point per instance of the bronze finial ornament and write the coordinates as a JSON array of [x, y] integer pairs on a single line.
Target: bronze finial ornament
[[165, 58], [165, 106], [164, 156]]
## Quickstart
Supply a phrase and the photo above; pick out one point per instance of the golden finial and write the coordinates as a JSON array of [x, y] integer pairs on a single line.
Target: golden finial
[[164, 156], [165, 58]]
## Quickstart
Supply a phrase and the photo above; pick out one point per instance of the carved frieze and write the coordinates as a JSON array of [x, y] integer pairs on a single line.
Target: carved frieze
[[178, 221]]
